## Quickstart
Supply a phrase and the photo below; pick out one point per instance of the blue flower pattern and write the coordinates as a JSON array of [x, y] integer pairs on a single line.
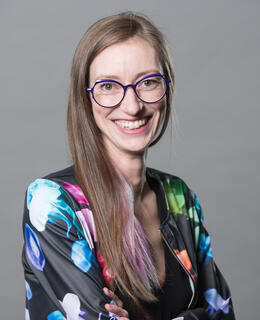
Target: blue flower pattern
[[82, 256], [45, 204], [29, 293], [216, 302], [33, 248], [56, 315], [205, 250], [198, 207], [27, 314]]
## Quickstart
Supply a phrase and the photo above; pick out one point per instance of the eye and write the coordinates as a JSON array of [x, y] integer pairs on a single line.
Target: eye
[[148, 82], [106, 86]]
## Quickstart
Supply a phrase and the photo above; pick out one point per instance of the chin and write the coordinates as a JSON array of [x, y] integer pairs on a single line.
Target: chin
[[137, 150]]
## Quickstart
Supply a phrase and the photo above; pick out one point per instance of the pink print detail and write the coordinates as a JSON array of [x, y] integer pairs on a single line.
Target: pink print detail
[[86, 230], [179, 318], [90, 222], [76, 191], [86, 219], [106, 274]]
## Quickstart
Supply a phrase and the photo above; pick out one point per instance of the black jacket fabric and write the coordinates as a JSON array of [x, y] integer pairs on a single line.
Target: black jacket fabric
[[65, 272]]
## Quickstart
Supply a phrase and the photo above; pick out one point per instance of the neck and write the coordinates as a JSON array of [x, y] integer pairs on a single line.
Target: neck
[[132, 167]]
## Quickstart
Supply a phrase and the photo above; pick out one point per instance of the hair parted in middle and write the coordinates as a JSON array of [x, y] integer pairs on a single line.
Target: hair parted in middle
[[121, 239]]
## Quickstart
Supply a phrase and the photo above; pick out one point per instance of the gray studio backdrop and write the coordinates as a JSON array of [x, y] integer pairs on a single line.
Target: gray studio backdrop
[[215, 48]]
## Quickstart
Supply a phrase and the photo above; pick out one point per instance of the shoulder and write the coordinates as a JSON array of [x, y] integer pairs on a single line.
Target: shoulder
[[169, 181], [66, 174], [180, 198], [49, 187], [47, 199]]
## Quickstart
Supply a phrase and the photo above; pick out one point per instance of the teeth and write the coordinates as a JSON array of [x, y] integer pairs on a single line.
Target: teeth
[[131, 124]]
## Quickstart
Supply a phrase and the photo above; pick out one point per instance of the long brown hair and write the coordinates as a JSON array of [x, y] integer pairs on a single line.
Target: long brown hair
[[94, 171]]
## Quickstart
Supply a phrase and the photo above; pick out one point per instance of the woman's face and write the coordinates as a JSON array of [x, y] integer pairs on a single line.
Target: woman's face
[[130, 126]]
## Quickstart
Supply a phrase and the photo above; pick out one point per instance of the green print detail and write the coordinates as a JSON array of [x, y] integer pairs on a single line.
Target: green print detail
[[193, 214], [174, 190]]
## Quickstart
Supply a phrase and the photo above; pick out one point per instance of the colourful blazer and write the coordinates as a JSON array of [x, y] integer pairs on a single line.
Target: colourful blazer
[[65, 273]]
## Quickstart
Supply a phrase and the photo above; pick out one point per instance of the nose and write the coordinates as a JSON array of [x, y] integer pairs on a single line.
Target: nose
[[131, 104]]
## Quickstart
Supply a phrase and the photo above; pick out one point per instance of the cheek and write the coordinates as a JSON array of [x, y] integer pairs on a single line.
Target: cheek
[[96, 114], [161, 110], [99, 114], [98, 120]]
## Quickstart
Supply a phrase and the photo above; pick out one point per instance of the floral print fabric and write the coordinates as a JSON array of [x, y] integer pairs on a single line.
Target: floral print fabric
[[65, 273]]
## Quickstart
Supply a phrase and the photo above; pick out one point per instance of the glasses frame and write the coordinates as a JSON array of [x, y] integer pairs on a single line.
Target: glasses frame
[[133, 86]]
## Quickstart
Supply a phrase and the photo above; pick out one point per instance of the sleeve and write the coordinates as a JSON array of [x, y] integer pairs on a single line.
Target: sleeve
[[213, 294], [62, 277]]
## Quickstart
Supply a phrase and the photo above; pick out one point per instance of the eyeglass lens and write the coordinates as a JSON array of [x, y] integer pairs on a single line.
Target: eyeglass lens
[[109, 93]]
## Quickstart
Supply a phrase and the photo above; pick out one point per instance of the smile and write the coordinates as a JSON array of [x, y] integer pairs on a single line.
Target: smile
[[130, 125]]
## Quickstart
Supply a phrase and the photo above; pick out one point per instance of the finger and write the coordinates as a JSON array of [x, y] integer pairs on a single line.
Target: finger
[[111, 294], [116, 310]]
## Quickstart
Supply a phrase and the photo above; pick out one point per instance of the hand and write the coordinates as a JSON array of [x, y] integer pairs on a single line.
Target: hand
[[118, 308]]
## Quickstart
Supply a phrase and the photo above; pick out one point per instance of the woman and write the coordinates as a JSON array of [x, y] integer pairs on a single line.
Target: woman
[[108, 221]]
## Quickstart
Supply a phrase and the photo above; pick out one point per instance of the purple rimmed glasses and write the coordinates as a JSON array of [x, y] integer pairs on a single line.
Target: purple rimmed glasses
[[109, 93]]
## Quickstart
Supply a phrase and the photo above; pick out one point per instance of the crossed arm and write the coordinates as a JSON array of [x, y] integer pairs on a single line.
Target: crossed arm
[[63, 278]]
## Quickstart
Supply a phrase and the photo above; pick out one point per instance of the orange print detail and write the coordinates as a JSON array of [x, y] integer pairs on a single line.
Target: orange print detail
[[183, 256]]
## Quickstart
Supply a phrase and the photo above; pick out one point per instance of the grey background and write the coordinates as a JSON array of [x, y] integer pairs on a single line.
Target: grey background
[[215, 48]]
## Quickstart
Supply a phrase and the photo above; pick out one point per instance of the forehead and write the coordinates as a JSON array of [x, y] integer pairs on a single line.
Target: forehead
[[125, 59]]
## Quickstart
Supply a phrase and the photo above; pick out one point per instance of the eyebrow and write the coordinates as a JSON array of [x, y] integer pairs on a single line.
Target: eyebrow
[[113, 76]]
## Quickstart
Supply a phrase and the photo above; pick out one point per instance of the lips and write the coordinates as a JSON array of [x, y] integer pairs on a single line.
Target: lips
[[131, 124]]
